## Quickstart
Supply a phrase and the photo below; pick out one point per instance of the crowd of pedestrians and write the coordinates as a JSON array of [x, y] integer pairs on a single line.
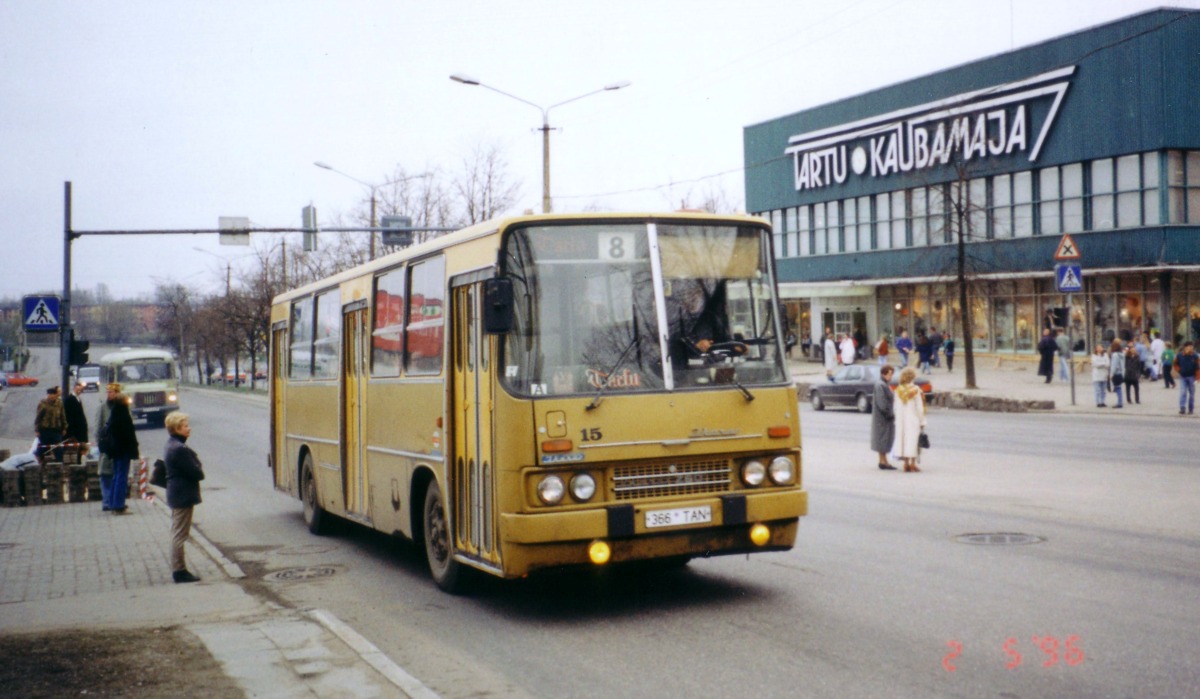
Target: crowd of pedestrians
[[1120, 367]]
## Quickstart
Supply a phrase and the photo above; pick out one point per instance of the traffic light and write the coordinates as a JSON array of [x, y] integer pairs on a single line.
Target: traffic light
[[79, 352]]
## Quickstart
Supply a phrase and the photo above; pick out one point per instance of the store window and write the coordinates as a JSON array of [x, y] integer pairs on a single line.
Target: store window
[[850, 220], [1183, 182], [1028, 329], [920, 217], [1072, 198], [900, 209], [1023, 204], [1103, 212], [1129, 191], [820, 234], [1151, 206], [977, 212], [883, 221], [804, 223], [1001, 207], [864, 224], [791, 247], [1049, 202], [833, 223]]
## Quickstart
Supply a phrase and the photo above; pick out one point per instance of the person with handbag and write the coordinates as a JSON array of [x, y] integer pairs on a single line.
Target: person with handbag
[[184, 473], [118, 441], [910, 420]]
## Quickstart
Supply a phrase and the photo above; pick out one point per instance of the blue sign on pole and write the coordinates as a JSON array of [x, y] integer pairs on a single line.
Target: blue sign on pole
[[41, 313], [1068, 279]]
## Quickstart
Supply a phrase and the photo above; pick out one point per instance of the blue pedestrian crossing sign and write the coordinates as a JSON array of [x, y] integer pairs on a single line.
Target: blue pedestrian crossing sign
[[41, 313], [1068, 279]]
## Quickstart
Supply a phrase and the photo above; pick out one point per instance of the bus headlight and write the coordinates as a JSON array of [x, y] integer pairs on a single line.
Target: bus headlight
[[171, 397], [583, 487], [550, 490], [781, 470], [753, 472]]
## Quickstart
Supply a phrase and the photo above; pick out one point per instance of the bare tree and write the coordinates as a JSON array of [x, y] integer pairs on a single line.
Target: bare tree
[[174, 321], [484, 188]]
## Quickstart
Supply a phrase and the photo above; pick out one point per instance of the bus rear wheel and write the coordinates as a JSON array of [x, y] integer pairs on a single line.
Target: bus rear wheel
[[317, 519], [447, 573]]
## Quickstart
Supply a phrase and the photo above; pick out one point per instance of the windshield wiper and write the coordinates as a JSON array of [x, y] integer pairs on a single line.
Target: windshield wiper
[[610, 373]]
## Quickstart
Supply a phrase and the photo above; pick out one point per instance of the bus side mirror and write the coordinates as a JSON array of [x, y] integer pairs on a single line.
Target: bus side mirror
[[498, 306]]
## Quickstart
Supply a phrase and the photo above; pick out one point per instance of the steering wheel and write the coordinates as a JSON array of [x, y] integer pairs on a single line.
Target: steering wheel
[[722, 350]]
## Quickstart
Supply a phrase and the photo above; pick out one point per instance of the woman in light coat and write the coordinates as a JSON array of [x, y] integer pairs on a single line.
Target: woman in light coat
[[1100, 375], [1116, 371], [910, 419], [829, 354]]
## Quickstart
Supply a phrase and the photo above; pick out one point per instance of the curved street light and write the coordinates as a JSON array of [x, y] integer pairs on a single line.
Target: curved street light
[[374, 189], [546, 204]]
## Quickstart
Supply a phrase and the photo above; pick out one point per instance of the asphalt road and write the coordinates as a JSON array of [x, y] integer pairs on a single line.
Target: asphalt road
[[881, 597]]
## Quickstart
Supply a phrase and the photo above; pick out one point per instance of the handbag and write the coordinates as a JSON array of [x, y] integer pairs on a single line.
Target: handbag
[[923, 440], [158, 476], [105, 441]]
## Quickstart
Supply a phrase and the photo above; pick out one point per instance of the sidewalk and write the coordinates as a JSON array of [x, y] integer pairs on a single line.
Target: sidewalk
[[1015, 386], [72, 568]]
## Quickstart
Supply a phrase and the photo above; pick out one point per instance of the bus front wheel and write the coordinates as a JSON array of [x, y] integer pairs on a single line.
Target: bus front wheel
[[447, 572], [315, 516]]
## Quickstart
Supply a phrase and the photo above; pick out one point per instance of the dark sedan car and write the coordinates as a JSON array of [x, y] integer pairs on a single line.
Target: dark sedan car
[[852, 387]]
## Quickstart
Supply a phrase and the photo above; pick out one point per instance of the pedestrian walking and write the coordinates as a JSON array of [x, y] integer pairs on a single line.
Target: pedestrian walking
[[1116, 372], [949, 346], [77, 424], [1064, 351], [1157, 348], [847, 349], [184, 473], [935, 345], [1168, 365], [1186, 365], [1133, 375], [829, 354], [910, 420], [1142, 345], [904, 345], [119, 442], [883, 417], [882, 349], [1100, 375], [49, 424], [1046, 348], [924, 353]]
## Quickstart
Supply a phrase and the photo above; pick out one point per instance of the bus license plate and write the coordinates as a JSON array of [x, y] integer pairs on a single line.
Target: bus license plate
[[679, 517]]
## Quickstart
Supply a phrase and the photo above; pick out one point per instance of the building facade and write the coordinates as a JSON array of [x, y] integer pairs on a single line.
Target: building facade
[[1084, 148]]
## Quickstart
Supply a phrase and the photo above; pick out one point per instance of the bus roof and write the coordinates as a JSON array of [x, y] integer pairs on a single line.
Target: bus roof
[[494, 225], [127, 354]]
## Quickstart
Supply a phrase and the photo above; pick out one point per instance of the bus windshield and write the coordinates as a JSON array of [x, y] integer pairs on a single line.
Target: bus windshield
[[144, 372], [597, 310]]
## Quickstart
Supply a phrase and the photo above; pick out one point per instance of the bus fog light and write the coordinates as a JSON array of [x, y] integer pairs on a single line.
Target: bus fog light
[[760, 534], [781, 470], [753, 472], [550, 490], [599, 552], [583, 487]]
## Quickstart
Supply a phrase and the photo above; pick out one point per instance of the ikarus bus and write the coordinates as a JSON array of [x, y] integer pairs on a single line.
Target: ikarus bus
[[546, 391]]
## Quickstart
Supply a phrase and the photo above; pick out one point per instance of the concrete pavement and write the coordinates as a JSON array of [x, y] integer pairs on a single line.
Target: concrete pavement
[[70, 565]]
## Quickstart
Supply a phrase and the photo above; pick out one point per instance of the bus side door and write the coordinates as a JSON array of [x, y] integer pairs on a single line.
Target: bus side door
[[353, 380], [473, 479]]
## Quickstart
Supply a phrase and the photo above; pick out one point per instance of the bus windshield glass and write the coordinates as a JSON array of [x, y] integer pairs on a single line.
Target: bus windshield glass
[[595, 311], [144, 372]]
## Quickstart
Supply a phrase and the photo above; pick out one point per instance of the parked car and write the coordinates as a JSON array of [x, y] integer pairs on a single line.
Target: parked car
[[16, 378], [853, 386]]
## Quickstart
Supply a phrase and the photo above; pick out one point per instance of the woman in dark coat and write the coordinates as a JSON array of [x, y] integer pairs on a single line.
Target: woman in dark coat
[[1047, 347], [883, 417], [184, 473], [121, 445]]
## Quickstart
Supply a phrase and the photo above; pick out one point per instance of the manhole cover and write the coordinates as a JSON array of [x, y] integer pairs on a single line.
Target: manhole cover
[[300, 574], [999, 539]]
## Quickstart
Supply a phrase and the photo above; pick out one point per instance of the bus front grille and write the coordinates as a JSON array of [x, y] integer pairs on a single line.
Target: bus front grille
[[671, 478], [149, 399]]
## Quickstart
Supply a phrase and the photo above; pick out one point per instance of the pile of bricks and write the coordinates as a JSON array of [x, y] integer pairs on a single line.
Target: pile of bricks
[[10, 487], [76, 479]]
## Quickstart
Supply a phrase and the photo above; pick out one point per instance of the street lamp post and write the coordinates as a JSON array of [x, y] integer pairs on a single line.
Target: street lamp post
[[546, 204], [374, 188]]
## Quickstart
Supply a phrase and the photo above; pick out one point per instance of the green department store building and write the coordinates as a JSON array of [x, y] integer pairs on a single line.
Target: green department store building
[[1094, 135]]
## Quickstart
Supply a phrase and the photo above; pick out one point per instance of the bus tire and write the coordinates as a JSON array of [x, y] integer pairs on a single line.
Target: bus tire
[[317, 519], [447, 573]]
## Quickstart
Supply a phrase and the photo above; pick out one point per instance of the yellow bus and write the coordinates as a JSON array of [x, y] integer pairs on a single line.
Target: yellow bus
[[545, 391]]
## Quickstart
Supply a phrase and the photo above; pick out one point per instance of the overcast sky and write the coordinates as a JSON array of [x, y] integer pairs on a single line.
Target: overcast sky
[[169, 114]]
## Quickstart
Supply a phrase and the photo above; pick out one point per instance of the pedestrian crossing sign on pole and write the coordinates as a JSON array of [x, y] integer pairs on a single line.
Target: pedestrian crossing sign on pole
[[41, 313], [1068, 278]]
